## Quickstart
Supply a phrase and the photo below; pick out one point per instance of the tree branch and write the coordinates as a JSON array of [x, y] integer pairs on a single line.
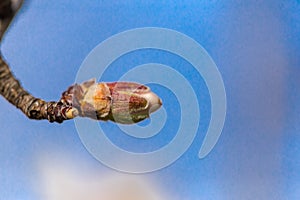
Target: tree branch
[[11, 89], [122, 102]]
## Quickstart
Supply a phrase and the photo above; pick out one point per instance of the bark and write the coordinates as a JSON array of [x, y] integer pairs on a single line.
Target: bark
[[10, 87]]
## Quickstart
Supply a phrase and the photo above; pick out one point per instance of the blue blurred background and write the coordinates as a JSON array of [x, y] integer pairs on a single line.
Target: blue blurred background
[[255, 45]]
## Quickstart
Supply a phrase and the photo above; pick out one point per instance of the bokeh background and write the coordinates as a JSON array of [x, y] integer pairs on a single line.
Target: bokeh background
[[255, 45]]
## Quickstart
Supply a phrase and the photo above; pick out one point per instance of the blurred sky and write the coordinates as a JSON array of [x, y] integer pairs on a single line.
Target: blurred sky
[[255, 45]]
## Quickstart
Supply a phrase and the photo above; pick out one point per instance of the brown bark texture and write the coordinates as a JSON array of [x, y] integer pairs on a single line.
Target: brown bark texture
[[10, 87]]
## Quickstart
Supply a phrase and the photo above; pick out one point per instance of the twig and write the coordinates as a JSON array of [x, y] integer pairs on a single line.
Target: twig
[[11, 89], [122, 102]]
